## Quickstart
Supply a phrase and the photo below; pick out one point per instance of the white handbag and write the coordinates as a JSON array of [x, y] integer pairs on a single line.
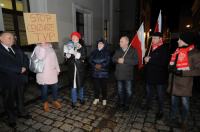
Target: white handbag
[[36, 65]]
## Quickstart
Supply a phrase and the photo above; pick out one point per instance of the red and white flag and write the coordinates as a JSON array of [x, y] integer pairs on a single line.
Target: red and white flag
[[158, 23], [138, 42]]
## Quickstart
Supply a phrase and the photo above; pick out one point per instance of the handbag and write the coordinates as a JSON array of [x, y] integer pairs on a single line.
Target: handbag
[[36, 65]]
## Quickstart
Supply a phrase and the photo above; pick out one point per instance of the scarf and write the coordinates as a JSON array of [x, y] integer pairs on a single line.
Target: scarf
[[155, 46], [182, 60]]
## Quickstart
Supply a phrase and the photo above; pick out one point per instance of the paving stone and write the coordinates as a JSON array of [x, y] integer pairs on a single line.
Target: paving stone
[[135, 130], [30, 130], [56, 130], [161, 127], [21, 127], [67, 127], [78, 118], [37, 126], [57, 124], [137, 125], [92, 117], [30, 122], [59, 118], [69, 121], [78, 124], [78, 130], [87, 128], [40, 118], [48, 122], [45, 128], [86, 121]]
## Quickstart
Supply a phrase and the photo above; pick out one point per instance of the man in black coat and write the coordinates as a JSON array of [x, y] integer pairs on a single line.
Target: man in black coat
[[156, 73], [12, 69]]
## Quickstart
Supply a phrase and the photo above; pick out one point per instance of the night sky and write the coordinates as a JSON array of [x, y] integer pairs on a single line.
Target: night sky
[[171, 10]]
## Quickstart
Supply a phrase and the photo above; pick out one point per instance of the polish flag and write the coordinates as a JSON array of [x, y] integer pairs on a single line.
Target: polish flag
[[158, 23], [138, 42]]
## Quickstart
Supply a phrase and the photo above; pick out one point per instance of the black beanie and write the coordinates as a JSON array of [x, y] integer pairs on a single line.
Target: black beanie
[[187, 37]]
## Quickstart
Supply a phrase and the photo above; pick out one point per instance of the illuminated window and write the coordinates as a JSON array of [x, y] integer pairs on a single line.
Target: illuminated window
[[13, 18]]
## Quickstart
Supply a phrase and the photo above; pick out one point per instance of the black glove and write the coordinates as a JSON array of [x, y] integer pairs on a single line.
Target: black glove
[[178, 72]]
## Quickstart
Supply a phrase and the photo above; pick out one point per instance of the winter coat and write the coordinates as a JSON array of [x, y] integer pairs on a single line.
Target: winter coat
[[101, 57], [156, 70], [182, 85], [125, 71], [80, 65], [51, 66]]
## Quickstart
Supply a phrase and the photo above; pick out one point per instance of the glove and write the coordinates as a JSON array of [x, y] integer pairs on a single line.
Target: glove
[[97, 66], [77, 55], [178, 72]]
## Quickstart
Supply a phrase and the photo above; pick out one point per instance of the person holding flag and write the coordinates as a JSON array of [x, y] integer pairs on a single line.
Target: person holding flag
[[125, 58], [156, 73], [75, 53]]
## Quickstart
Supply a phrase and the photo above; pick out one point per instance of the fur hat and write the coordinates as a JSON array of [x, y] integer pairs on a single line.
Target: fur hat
[[187, 37], [76, 34]]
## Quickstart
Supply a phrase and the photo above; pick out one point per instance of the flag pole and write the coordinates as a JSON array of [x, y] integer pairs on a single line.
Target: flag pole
[[126, 50]]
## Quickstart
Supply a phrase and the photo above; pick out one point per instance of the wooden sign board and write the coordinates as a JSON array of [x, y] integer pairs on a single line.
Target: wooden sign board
[[41, 27]]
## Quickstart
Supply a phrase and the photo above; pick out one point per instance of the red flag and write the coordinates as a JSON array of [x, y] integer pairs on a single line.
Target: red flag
[[158, 23], [138, 42]]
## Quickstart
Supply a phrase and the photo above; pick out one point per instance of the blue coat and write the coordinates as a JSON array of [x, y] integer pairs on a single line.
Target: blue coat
[[101, 57]]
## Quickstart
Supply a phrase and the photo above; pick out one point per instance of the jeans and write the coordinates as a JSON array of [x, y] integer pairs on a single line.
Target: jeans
[[185, 106], [44, 90], [74, 94], [124, 91], [160, 92]]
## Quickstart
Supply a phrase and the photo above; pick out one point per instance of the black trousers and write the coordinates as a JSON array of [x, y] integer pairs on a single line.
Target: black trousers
[[100, 86], [13, 97]]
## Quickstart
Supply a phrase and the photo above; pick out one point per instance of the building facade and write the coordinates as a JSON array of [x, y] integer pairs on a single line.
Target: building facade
[[94, 19]]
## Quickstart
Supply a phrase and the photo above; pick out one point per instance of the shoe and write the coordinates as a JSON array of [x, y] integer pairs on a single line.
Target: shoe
[[82, 102], [46, 107], [104, 102], [146, 107], [184, 127], [73, 105], [12, 124], [95, 101], [159, 115], [125, 108], [56, 104], [26, 116]]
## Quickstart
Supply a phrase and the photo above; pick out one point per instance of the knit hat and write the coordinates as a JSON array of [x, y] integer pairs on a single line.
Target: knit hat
[[187, 37], [76, 34], [157, 34]]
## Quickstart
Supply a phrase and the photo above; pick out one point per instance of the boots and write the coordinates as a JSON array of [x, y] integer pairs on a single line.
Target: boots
[[56, 104], [46, 106], [95, 101]]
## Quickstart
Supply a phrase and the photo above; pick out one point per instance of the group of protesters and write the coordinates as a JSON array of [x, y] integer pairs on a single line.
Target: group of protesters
[[172, 73]]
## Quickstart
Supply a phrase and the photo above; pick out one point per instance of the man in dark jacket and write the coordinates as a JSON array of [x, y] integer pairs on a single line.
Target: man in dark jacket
[[156, 71], [124, 71], [12, 69]]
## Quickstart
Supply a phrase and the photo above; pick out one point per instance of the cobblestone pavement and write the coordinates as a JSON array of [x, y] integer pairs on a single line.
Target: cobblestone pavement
[[100, 118]]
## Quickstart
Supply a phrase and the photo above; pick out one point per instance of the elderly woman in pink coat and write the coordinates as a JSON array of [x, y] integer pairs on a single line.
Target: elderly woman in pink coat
[[49, 76]]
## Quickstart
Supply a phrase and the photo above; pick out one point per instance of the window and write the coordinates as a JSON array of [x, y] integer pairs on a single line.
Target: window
[[12, 11], [80, 23]]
